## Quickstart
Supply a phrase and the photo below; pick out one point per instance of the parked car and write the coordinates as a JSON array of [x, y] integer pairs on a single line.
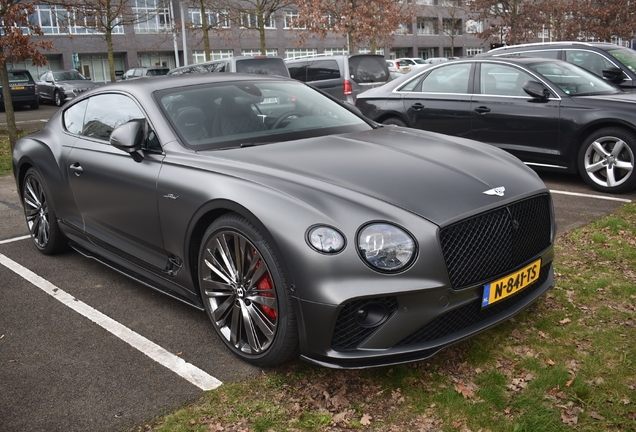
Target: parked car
[[61, 86], [413, 61], [342, 76], [551, 114], [435, 60], [298, 232], [618, 62], [264, 65], [24, 90], [142, 71], [398, 66]]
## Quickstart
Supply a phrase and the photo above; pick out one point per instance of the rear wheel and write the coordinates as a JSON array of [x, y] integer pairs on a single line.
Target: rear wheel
[[607, 158], [57, 98], [40, 215], [394, 121], [245, 293]]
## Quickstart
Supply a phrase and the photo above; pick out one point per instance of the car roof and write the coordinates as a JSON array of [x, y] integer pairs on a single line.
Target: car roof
[[601, 45]]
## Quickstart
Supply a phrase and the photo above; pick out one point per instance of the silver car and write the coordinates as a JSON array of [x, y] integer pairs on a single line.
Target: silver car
[[63, 85]]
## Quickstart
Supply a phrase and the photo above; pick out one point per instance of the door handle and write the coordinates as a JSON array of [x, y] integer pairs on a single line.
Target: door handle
[[482, 110], [418, 106], [77, 169]]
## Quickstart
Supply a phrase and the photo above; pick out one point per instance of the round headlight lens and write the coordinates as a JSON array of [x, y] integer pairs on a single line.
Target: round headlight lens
[[325, 239], [386, 247]]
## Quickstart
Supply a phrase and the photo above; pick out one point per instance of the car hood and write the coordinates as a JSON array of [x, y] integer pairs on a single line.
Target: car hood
[[616, 97], [78, 84], [438, 177]]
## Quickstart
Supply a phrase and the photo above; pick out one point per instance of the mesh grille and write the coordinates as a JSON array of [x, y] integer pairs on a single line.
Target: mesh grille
[[470, 314], [348, 334], [493, 243]]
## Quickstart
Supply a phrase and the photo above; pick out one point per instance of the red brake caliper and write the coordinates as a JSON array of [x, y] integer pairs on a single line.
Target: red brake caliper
[[265, 283]]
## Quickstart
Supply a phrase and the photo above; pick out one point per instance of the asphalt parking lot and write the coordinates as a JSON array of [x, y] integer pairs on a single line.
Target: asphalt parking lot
[[85, 348]]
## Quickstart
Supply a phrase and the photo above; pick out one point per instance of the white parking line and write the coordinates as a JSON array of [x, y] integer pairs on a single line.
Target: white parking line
[[176, 364], [601, 197]]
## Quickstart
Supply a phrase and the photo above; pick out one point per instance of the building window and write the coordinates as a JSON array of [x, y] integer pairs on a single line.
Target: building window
[[288, 19], [403, 29], [426, 53], [426, 2], [336, 51], [471, 51], [154, 19], [427, 26], [452, 26], [300, 52], [366, 50], [257, 52], [251, 21], [474, 27]]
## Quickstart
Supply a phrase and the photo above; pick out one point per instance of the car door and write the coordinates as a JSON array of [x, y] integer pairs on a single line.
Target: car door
[[117, 196], [440, 102], [503, 114], [325, 75], [45, 86]]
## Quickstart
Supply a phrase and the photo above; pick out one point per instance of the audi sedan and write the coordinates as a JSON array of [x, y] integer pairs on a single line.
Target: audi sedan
[[549, 113], [299, 226], [61, 86]]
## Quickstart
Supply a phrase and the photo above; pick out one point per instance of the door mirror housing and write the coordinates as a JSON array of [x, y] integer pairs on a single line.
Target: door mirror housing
[[614, 75], [129, 138], [536, 90]]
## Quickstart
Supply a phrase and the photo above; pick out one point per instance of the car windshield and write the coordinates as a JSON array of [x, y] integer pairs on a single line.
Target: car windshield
[[243, 113], [625, 56], [17, 76], [68, 76], [419, 61], [262, 65], [573, 80], [155, 72]]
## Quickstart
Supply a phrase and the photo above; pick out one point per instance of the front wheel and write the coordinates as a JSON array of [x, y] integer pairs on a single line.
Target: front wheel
[[606, 160], [57, 98], [245, 293], [40, 215], [394, 121]]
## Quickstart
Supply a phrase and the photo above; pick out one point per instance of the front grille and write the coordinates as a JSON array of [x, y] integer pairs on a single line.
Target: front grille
[[348, 334], [470, 314], [496, 242]]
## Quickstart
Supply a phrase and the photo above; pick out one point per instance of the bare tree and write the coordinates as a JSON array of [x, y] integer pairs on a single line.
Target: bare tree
[[452, 14], [511, 21], [211, 19], [16, 46], [106, 17], [359, 21], [254, 15], [606, 20]]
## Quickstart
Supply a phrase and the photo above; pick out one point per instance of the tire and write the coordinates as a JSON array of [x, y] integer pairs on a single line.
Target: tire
[[35, 105], [394, 121], [607, 160], [58, 100], [40, 215], [245, 293]]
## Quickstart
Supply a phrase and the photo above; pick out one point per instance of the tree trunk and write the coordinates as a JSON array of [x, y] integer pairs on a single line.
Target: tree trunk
[[111, 57], [8, 106], [206, 33]]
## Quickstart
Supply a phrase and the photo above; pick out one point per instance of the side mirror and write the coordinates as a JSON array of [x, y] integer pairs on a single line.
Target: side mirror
[[614, 75], [536, 90], [128, 138]]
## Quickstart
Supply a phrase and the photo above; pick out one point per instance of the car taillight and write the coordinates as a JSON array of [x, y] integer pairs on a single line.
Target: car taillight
[[398, 65], [348, 89]]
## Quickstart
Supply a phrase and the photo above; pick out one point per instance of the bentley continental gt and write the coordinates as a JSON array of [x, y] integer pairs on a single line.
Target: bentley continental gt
[[299, 226]]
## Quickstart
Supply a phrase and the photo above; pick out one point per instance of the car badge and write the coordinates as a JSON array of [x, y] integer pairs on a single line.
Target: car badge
[[498, 191]]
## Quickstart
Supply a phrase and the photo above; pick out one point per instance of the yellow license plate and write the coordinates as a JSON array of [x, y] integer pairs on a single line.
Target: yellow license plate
[[18, 88], [507, 286]]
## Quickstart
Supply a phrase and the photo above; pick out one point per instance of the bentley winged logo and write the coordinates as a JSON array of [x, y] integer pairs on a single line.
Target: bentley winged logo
[[498, 191]]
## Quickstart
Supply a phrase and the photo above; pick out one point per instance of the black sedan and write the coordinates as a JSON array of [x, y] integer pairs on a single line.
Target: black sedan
[[549, 113], [299, 226], [62, 85]]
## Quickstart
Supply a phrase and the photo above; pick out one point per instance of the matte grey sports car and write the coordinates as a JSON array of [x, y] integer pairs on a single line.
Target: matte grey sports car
[[298, 225]]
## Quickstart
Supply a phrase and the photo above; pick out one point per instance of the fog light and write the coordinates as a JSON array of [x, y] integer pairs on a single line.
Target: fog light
[[371, 315]]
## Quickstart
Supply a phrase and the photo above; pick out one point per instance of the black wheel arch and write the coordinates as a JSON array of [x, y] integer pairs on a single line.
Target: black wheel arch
[[388, 115]]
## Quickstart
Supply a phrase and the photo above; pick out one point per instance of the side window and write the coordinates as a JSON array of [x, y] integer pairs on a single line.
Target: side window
[[139, 72], [501, 80], [554, 54], [323, 70], [107, 111], [588, 60], [298, 71], [74, 118], [448, 79]]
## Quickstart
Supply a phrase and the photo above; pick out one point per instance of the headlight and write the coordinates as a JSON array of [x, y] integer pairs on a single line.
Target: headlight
[[386, 247], [325, 239]]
